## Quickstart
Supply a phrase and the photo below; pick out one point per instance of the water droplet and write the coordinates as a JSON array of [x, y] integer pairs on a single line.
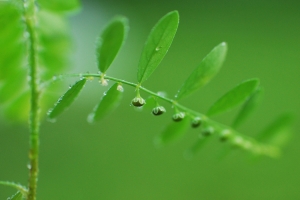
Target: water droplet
[[157, 49], [29, 166], [104, 93]]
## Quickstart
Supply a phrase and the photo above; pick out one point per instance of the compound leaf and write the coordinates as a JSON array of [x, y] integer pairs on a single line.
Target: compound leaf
[[157, 45], [110, 41], [108, 103], [59, 6], [249, 106], [207, 69], [278, 132], [66, 100], [172, 132], [234, 97]]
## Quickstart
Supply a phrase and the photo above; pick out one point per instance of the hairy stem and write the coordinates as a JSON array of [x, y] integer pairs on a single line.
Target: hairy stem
[[29, 11], [19, 187], [225, 132]]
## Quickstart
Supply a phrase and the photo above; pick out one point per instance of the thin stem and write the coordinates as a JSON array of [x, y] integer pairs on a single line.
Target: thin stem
[[235, 137], [19, 187], [29, 11]]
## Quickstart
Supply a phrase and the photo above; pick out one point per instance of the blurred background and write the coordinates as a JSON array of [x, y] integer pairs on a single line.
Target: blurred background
[[116, 158]]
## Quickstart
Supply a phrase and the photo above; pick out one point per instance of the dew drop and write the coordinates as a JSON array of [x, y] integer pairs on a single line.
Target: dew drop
[[157, 49]]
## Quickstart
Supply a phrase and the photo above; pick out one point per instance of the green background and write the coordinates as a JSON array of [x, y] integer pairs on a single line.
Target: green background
[[116, 158]]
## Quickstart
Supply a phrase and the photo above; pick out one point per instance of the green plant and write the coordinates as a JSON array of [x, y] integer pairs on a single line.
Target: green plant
[[49, 47]]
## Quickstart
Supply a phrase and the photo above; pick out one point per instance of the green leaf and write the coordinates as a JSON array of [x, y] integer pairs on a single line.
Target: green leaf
[[249, 106], [108, 103], [207, 69], [150, 103], [12, 43], [157, 45], [66, 100], [278, 132], [234, 97], [172, 132], [110, 41], [59, 5], [17, 196]]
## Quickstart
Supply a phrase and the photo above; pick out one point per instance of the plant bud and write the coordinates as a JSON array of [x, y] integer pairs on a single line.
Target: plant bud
[[225, 135], [104, 82], [196, 122], [207, 131], [120, 88], [158, 110], [138, 101], [178, 116]]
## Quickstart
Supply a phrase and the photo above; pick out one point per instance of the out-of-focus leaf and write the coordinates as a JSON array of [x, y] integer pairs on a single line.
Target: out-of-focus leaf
[[17, 196], [110, 41], [172, 132], [150, 103], [19, 109], [249, 106], [191, 152], [55, 44], [157, 45], [59, 5], [278, 132], [234, 97], [67, 99], [108, 103], [13, 86], [12, 44], [207, 69]]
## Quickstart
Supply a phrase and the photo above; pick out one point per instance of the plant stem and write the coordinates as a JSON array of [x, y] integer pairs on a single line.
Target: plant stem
[[22, 189], [29, 11], [236, 138]]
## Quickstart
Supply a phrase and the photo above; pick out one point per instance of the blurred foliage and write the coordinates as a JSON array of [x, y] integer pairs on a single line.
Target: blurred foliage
[[117, 158], [53, 47]]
